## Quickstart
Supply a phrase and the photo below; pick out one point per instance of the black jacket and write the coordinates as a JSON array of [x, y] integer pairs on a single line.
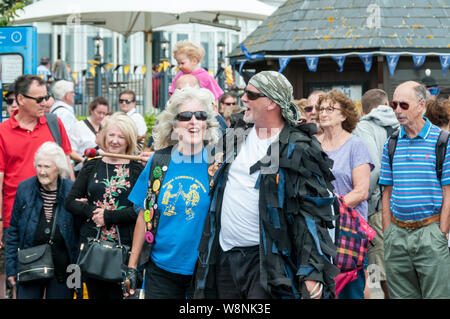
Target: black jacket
[[295, 211], [125, 219]]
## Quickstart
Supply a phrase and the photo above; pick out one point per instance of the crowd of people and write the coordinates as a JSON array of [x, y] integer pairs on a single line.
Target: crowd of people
[[226, 201]]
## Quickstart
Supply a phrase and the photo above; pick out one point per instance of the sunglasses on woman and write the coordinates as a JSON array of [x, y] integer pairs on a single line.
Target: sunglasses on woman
[[403, 105], [308, 108], [186, 116], [253, 95], [37, 99]]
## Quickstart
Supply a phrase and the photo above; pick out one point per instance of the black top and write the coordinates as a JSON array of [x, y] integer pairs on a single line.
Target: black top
[[109, 190]]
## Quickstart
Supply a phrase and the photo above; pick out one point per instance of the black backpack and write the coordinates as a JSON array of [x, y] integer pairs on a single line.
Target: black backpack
[[441, 149], [52, 122]]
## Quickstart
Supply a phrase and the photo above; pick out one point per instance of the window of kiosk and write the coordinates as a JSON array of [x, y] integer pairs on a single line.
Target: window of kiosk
[[11, 67]]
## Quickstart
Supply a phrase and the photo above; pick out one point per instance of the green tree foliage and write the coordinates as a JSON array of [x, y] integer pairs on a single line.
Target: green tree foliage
[[9, 10]]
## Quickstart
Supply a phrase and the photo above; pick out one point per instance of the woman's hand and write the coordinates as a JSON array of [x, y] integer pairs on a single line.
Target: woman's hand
[[145, 157], [314, 288], [12, 280], [98, 217]]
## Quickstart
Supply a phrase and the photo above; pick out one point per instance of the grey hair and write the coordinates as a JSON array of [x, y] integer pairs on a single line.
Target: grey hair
[[167, 118], [421, 92], [61, 88], [56, 153]]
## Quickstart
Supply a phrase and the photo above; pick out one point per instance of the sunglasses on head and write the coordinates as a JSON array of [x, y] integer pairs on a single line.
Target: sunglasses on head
[[125, 101], [253, 95], [403, 105], [433, 90], [308, 108], [186, 116], [37, 99]]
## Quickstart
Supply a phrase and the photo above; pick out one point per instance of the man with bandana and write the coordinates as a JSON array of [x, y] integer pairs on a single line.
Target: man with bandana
[[266, 235]]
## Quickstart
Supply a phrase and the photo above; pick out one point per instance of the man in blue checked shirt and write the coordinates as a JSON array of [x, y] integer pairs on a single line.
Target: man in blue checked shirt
[[416, 205]]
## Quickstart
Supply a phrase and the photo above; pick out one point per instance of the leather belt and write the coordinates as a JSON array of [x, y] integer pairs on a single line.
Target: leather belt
[[416, 223]]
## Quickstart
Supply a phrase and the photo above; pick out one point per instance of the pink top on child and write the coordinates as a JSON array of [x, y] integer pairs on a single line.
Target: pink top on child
[[205, 79]]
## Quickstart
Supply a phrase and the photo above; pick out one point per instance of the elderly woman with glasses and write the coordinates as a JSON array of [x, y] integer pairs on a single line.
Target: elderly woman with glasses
[[173, 196], [39, 199], [338, 116]]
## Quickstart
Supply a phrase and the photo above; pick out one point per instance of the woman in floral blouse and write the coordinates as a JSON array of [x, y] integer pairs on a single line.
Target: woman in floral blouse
[[99, 196]]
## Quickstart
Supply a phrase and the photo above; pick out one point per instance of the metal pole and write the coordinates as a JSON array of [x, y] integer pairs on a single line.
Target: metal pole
[[98, 71]]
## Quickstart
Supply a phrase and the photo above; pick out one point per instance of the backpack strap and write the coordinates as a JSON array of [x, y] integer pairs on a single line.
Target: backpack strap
[[52, 122], [441, 150], [392, 144]]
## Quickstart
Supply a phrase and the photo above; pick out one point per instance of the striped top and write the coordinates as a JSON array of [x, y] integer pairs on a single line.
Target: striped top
[[49, 198], [416, 191]]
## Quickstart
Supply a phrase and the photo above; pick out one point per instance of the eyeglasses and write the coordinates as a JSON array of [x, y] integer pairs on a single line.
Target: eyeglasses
[[125, 101], [433, 91], [253, 95], [328, 109], [9, 101], [403, 105], [308, 108], [37, 99], [186, 116]]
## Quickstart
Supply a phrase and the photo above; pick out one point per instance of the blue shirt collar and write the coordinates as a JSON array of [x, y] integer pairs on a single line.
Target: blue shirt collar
[[423, 132]]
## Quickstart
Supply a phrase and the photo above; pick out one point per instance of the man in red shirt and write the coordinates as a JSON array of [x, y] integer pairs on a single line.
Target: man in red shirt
[[20, 137]]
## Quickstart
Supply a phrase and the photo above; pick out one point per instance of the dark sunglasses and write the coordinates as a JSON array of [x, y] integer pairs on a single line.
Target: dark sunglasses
[[125, 101], [308, 109], [253, 95], [229, 103], [186, 116], [403, 105], [37, 99], [9, 101]]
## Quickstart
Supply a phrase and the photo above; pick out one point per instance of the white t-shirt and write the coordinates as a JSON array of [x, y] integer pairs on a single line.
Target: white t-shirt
[[138, 119], [81, 137], [240, 206], [65, 113]]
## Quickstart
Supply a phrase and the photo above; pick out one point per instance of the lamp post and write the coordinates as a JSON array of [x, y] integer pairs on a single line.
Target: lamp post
[[220, 61], [165, 76], [98, 68]]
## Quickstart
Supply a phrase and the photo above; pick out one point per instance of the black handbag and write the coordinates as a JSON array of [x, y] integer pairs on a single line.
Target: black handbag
[[35, 264], [103, 259]]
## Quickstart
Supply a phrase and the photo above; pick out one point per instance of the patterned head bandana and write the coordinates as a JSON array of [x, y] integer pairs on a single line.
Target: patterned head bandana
[[276, 87]]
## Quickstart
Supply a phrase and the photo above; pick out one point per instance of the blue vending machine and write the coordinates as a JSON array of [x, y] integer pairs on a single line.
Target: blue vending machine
[[18, 56]]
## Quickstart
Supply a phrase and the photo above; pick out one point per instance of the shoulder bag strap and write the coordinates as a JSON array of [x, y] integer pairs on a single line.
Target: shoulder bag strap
[[52, 235], [89, 125]]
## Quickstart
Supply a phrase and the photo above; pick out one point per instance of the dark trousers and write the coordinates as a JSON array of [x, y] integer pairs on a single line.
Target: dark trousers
[[103, 290], [237, 274], [53, 290], [162, 284]]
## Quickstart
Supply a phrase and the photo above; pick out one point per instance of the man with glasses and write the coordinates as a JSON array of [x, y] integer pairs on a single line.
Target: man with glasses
[[415, 204], [260, 238], [20, 136], [127, 104]]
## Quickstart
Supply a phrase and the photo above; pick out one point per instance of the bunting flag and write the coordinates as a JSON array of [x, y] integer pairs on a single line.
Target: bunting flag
[[283, 63], [163, 66], [126, 69], [110, 65], [229, 74], [74, 76], [367, 60], [445, 62], [117, 67], [418, 60], [312, 62], [340, 59], [241, 65], [144, 69], [135, 68], [93, 62], [92, 70], [248, 55], [392, 60]]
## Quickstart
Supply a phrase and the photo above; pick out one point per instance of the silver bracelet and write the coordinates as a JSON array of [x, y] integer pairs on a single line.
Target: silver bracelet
[[314, 294]]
